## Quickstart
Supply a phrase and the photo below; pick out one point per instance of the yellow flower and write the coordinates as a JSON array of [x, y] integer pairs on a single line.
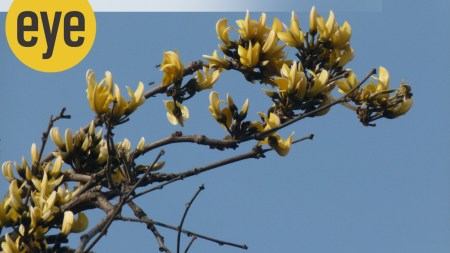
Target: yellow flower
[[342, 35], [346, 55], [173, 68], [273, 121], [347, 84], [34, 154], [249, 57], [215, 60], [140, 146], [277, 26], [320, 82], [56, 138], [222, 31], [10, 246], [313, 21], [326, 28], [399, 109], [383, 79], [7, 171], [270, 49], [136, 98], [67, 222], [176, 114], [99, 94], [250, 29], [120, 106], [80, 224], [15, 199], [282, 147], [294, 37], [292, 80], [223, 116], [206, 81]]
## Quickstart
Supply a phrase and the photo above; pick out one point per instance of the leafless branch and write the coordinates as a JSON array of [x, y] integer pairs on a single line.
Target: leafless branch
[[188, 205], [184, 231]]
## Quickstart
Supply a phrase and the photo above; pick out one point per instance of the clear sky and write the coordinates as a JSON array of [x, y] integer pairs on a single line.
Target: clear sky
[[352, 189]]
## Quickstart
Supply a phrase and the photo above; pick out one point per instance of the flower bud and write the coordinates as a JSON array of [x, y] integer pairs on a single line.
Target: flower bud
[[313, 21]]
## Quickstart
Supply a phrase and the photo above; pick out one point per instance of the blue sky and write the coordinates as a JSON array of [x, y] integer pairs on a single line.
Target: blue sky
[[352, 189]]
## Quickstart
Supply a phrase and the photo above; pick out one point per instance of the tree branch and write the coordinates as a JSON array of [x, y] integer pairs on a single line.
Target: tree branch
[[188, 205], [184, 231], [257, 152]]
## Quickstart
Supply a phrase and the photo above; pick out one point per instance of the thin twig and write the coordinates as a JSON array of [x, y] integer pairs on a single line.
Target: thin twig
[[184, 231], [257, 152], [188, 205], [190, 244]]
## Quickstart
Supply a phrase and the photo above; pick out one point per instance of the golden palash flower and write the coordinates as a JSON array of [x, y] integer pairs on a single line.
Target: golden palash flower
[[347, 84], [172, 67], [274, 140], [176, 113], [282, 147], [252, 29], [326, 28], [249, 57], [101, 95], [223, 116], [293, 36], [292, 80], [216, 61], [222, 30], [270, 49], [206, 80]]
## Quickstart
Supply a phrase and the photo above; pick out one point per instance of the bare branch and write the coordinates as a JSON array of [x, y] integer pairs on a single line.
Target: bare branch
[[188, 205], [257, 152], [184, 231], [190, 244]]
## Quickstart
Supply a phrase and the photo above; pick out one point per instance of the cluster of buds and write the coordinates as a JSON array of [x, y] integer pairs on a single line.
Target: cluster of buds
[[105, 97], [33, 203], [230, 117], [86, 152]]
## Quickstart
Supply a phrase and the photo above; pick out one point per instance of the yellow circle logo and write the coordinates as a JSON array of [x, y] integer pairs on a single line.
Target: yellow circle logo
[[50, 35]]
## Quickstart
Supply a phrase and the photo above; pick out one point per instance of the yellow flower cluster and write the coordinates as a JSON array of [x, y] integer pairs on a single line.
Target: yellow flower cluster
[[274, 140], [229, 114], [102, 95], [378, 95], [36, 198]]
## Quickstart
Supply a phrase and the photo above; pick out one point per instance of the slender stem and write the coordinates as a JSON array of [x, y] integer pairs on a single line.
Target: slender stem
[[188, 205], [184, 231], [257, 152], [190, 244]]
